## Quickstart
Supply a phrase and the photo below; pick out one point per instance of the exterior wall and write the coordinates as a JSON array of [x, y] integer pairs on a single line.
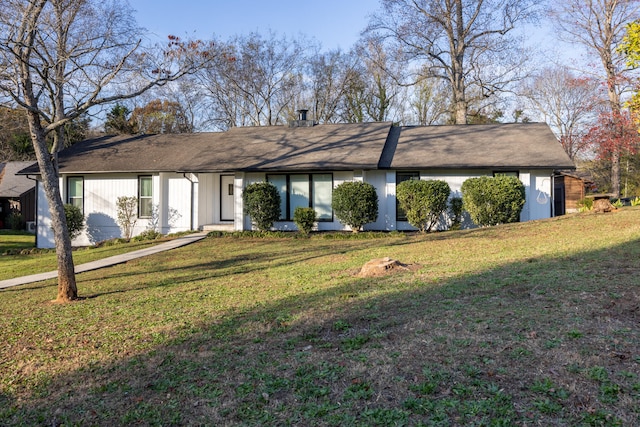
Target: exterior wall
[[100, 195], [538, 188], [574, 190]]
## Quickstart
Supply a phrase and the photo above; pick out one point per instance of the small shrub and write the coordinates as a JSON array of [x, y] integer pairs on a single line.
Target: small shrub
[[617, 203], [147, 235], [262, 204], [493, 200], [127, 214], [15, 221], [75, 220], [585, 205], [455, 212], [635, 202], [355, 204], [423, 202], [304, 219]]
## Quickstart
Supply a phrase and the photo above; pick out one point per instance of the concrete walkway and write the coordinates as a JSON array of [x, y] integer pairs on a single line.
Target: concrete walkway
[[108, 262]]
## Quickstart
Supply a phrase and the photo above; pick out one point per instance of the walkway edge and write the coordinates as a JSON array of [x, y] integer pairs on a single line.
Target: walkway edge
[[108, 262]]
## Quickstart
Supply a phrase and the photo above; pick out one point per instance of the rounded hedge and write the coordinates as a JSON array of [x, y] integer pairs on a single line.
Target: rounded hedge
[[355, 204], [493, 200], [304, 219], [423, 202], [262, 204]]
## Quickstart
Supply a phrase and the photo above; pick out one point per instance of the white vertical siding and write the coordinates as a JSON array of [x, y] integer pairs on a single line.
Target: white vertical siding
[[175, 205], [206, 199], [44, 233]]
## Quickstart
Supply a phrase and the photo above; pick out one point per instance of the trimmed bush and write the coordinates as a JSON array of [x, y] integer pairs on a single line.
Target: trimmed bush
[[75, 220], [423, 202], [262, 204], [493, 200], [355, 204], [304, 219]]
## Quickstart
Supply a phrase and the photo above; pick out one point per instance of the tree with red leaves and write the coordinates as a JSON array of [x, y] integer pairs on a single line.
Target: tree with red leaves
[[615, 135]]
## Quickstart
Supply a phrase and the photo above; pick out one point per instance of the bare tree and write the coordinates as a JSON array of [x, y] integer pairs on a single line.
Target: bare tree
[[430, 102], [59, 58], [568, 104], [330, 76], [464, 42], [252, 84], [599, 26]]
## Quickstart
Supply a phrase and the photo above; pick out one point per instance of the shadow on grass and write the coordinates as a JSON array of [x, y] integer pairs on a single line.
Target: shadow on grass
[[550, 341]]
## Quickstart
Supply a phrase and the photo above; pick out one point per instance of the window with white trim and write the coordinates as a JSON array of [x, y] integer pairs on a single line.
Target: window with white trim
[[145, 196], [75, 192]]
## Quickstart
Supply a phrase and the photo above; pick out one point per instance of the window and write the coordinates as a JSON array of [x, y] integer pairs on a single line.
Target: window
[[400, 177], [507, 173], [304, 190], [75, 192], [145, 197]]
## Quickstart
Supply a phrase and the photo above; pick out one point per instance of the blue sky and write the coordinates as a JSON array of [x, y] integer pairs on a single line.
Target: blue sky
[[333, 23]]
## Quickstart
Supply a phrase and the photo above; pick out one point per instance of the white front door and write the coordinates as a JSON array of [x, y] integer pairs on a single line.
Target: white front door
[[226, 198]]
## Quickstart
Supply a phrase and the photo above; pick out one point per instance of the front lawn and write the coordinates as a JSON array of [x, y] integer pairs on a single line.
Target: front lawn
[[524, 324]]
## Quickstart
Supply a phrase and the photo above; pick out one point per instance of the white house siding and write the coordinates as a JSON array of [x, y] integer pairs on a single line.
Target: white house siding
[[44, 233], [175, 213], [206, 199], [538, 187], [386, 208]]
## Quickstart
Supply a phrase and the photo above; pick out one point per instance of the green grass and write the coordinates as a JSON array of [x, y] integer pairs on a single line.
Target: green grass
[[525, 324], [15, 241], [30, 260]]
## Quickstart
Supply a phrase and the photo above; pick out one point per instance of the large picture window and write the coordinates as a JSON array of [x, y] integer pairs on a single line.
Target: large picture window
[[304, 190], [75, 192], [145, 196]]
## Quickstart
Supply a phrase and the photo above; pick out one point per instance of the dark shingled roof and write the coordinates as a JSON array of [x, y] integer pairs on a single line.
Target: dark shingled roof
[[322, 147], [273, 148], [12, 185], [497, 146]]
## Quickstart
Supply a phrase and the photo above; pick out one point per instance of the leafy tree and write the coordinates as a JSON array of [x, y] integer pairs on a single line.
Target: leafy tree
[[464, 42], [262, 204], [118, 121], [493, 200], [159, 117], [15, 143], [423, 202], [355, 204], [599, 25], [58, 59]]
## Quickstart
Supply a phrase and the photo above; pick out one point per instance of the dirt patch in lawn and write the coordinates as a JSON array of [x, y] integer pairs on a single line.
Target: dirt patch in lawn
[[384, 266]]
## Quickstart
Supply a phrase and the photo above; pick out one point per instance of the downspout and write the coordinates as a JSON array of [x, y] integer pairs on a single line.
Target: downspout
[[184, 175]]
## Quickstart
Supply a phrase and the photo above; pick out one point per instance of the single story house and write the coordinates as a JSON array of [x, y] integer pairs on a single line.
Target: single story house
[[195, 181], [17, 195]]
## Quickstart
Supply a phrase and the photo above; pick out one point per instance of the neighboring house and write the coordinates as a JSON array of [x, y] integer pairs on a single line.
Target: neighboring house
[[17, 194], [195, 181], [570, 188]]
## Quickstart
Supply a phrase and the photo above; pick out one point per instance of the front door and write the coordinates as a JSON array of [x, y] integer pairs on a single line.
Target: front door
[[226, 198]]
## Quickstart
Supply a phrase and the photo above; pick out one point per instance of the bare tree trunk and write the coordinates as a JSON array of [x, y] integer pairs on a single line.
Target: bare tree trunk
[[67, 290]]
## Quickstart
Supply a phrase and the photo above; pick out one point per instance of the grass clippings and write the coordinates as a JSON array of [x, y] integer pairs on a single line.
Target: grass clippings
[[524, 324]]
